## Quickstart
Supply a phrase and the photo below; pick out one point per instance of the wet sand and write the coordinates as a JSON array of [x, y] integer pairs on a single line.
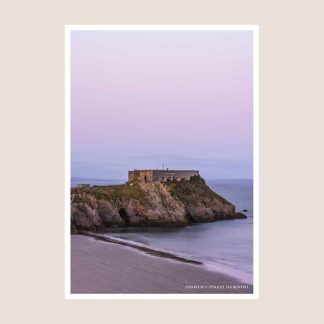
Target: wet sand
[[99, 267]]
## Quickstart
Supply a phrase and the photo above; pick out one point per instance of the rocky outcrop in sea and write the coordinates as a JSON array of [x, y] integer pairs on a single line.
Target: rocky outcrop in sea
[[174, 203]]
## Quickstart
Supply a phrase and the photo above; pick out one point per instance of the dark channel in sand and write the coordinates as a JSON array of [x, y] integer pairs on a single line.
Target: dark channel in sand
[[142, 248]]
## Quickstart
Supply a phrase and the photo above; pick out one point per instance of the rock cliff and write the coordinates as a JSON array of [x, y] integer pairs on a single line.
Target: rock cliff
[[173, 203]]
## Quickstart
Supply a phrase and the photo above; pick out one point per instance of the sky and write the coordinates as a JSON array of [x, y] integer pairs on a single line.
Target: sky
[[141, 99]]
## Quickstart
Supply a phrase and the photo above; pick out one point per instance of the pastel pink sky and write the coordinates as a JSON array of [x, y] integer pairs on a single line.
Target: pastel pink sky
[[143, 98]]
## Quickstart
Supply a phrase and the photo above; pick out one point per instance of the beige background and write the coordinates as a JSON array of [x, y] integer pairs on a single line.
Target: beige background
[[32, 161]]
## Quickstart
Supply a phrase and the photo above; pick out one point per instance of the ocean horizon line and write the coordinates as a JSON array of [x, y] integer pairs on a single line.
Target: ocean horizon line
[[119, 179]]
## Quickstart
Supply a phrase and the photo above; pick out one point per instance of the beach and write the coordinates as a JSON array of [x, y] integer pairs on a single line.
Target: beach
[[100, 267]]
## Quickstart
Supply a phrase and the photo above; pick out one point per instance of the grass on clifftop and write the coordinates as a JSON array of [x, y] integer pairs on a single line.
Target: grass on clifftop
[[113, 192], [193, 191]]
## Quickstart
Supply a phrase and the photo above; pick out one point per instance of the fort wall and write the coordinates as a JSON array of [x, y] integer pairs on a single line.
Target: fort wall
[[161, 175]]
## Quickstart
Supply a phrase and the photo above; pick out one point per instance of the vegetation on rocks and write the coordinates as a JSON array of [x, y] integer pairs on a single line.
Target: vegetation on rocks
[[113, 192], [175, 203], [193, 191]]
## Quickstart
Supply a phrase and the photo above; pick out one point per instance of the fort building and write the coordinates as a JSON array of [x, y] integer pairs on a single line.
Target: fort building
[[161, 175]]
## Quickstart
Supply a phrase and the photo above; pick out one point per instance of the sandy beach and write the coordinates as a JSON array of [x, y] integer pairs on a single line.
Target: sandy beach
[[107, 268]]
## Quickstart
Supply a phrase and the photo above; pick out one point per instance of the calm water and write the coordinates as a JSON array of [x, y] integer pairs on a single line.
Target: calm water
[[224, 245]]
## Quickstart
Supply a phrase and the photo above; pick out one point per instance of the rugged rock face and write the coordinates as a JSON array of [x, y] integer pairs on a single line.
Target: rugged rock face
[[147, 204]]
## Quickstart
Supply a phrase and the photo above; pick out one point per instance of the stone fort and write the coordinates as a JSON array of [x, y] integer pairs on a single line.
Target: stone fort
[[161, 175]]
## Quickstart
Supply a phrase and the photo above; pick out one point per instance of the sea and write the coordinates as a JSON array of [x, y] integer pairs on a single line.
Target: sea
[[224, 246]]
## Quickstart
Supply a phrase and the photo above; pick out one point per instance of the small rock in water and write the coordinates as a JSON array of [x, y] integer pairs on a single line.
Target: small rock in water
[[244, 210], [240, 215]]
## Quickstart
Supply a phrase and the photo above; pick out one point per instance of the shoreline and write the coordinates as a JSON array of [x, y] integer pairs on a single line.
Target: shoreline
[[144, 249], [104, 265]]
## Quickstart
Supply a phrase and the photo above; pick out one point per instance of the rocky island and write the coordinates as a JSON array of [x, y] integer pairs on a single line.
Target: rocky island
[[149, 198]]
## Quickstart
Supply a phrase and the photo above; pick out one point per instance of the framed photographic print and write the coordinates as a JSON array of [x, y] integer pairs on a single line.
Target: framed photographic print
[[162, 196]]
